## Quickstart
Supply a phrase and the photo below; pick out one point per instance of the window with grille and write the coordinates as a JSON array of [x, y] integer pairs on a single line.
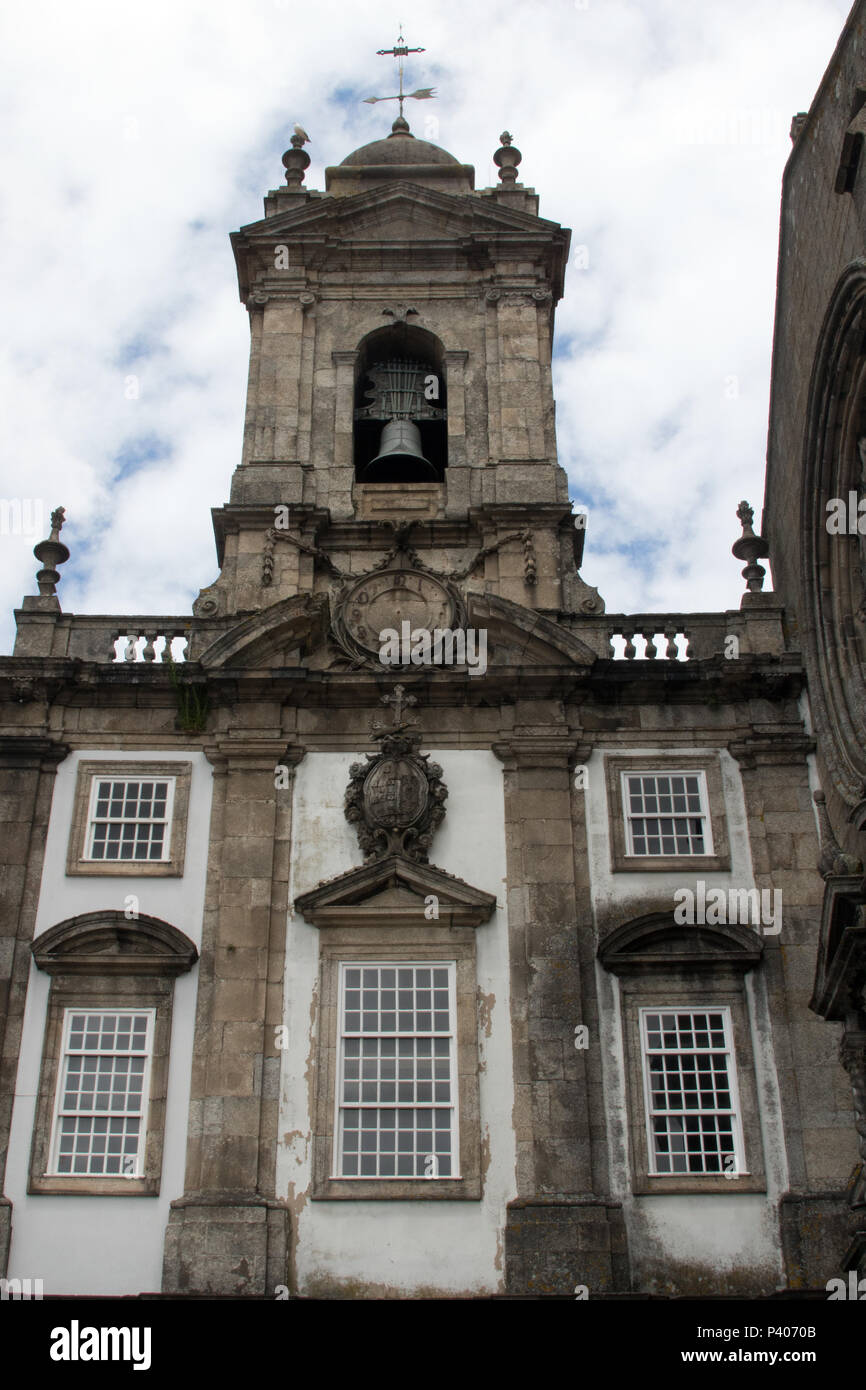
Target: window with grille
[[693, 1121], [100, 1121], [129, 819], [396, 1081], [666, 813]]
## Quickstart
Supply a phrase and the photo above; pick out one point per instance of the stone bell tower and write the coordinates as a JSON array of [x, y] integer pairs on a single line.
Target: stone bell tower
[[401, 329]]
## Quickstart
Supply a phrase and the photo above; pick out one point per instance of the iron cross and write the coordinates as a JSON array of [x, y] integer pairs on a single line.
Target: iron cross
[[399, 51]]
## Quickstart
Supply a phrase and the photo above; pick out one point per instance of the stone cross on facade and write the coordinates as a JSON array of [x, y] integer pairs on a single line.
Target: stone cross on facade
[[401, 703], [399, 699]]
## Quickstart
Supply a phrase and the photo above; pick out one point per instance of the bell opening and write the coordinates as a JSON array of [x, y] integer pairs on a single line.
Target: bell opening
[[400, 432]]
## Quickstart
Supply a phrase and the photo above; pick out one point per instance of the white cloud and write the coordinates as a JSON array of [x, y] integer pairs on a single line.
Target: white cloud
[[137, 137]]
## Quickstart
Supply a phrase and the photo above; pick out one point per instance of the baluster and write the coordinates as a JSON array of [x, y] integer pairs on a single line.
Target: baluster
[[130, 653], [148, 652], [687, 649], [629, 646], [651, 653], [671, 651], [611, 633]]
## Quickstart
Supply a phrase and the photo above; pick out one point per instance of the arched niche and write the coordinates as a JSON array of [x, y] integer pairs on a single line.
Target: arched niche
[[400, 374], [833, 592]]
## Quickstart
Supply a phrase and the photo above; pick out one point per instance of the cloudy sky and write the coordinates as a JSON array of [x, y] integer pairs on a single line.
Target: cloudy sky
[[136, 137]]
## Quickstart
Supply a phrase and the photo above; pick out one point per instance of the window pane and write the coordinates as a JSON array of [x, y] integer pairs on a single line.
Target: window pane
[[403, 1109], [689, 1091], [660, 814], [99, 1126]]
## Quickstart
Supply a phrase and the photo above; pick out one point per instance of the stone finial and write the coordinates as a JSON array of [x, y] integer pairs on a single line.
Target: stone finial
[[51, 553], [832, 859], [797, 123], [296, 161], [749, 548], [507, 158]]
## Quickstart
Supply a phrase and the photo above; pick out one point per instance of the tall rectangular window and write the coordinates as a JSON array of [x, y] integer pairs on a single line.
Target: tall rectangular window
[[690, 1087], [666, 813], [129, 819], [102, 1094], [396, 1080]]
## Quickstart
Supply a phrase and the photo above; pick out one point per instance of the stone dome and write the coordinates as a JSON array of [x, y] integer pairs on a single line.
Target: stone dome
[[400, 147]]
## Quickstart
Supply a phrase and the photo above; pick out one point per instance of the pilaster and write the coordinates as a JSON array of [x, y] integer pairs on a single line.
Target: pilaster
[[28, 766], [559, 1232], [229, 1234]]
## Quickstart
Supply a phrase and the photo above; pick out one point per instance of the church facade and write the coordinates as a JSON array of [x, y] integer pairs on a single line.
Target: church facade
[[399, 922]]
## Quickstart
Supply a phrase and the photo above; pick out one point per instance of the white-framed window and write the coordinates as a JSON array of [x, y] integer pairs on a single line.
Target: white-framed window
[[666, 813], [129, 819], [690, 1089], [100, 1118], [396, 1091]]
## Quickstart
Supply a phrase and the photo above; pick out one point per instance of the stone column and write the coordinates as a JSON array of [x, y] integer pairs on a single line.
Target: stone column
[[559, 1231], [28, 765], [229, 1233], [335, 486]]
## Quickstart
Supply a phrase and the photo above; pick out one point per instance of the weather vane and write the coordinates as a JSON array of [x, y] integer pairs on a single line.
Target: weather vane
[[399, 51]]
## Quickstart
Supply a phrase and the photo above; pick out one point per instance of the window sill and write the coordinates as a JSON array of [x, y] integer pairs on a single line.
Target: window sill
[[62, 1185], [688, 1185], [126, 868], [674, 863], [399, 1189]]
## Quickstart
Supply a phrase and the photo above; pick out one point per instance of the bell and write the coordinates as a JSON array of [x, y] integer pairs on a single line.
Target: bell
[[399, 459]]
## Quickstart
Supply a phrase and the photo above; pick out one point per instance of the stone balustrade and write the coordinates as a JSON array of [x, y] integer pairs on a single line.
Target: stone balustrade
[[150, 645], [655, 639], [755, 630]]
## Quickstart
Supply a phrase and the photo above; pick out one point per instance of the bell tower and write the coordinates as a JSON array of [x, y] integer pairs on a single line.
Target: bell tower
[[400, 375]]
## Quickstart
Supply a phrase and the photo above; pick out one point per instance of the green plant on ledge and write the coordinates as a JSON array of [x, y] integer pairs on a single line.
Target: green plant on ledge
[[193, 704]]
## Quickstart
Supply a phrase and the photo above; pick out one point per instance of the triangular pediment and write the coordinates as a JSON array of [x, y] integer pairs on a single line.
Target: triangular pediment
[[394, 215], [396, 891], [399, 203]]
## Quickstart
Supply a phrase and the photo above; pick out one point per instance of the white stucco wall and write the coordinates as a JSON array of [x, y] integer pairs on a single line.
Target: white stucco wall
[[727, 1234], [106, 1245], [411, 1245]]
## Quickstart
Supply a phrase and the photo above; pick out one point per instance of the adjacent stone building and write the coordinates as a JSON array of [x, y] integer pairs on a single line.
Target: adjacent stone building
[[399, 922], [816, 527]]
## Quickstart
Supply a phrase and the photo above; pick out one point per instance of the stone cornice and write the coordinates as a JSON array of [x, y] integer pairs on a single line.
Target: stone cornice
[[773, 748], [541, 750], [34, 751], [249, 754]]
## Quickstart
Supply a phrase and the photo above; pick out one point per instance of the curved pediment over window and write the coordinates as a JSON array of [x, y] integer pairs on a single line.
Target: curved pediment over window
[[656, 941], [108, 943]]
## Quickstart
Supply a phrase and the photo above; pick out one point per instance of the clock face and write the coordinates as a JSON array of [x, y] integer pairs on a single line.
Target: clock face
[[394, 597]]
